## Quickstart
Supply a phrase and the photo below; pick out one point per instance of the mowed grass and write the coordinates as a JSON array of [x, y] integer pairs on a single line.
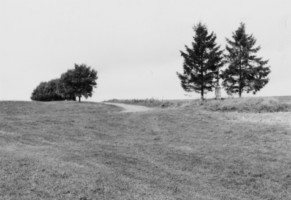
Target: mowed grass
[[67, 150]]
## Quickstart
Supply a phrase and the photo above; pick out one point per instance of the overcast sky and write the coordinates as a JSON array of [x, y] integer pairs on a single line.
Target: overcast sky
[[133, 44]]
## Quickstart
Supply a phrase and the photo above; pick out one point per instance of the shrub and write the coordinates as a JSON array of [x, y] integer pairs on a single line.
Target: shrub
[[47, 91]]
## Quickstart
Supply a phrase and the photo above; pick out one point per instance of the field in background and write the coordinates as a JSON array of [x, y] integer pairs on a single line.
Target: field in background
[[251, 104], [67, 150]]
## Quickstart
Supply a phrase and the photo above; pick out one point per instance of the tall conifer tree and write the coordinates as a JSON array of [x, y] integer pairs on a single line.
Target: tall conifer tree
[[245, 72], [201, 62]]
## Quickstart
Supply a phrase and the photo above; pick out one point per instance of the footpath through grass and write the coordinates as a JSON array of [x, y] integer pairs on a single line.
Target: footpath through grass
[[67, 150], [248, 104]]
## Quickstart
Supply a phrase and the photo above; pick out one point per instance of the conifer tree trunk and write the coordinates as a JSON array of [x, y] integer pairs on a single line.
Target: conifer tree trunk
[[202, 76], [240, 86], [79, 98], [240, 78]]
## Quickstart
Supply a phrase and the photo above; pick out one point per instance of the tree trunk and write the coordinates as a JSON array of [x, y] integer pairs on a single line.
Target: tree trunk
[[79, 98], [202, 76], [202, 94], [240, 76]]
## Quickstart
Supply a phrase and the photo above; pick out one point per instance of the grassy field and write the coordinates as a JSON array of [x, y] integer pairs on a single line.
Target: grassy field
[[88, 151], [250, 104]]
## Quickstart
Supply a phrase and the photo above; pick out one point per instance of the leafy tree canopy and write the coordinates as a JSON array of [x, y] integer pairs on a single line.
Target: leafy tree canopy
[[79, 81], [47, 91]]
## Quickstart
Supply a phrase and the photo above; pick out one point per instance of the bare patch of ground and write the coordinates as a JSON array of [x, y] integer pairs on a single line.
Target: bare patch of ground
[[130, 108]]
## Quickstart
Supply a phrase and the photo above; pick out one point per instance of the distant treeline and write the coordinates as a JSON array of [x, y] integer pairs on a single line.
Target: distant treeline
[[73, 84]]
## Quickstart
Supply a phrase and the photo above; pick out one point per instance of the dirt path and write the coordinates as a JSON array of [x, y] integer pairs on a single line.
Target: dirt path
[[130, 108]]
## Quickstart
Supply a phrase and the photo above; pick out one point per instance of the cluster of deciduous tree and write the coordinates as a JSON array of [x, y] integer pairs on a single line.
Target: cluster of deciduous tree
[[204, 63], [73, 84]]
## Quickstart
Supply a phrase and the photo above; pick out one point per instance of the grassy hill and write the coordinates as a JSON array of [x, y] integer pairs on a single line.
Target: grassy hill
[[67, 150], [250, 104]]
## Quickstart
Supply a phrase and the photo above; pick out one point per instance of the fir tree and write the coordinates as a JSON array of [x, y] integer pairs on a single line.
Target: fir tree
[[201, 62], [245, 72]]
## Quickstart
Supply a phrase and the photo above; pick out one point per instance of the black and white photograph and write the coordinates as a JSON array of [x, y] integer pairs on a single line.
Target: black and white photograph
[[145, 100]]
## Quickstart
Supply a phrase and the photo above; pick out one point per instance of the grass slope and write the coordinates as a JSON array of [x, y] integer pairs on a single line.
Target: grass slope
[[67, 150], [254, 104]]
